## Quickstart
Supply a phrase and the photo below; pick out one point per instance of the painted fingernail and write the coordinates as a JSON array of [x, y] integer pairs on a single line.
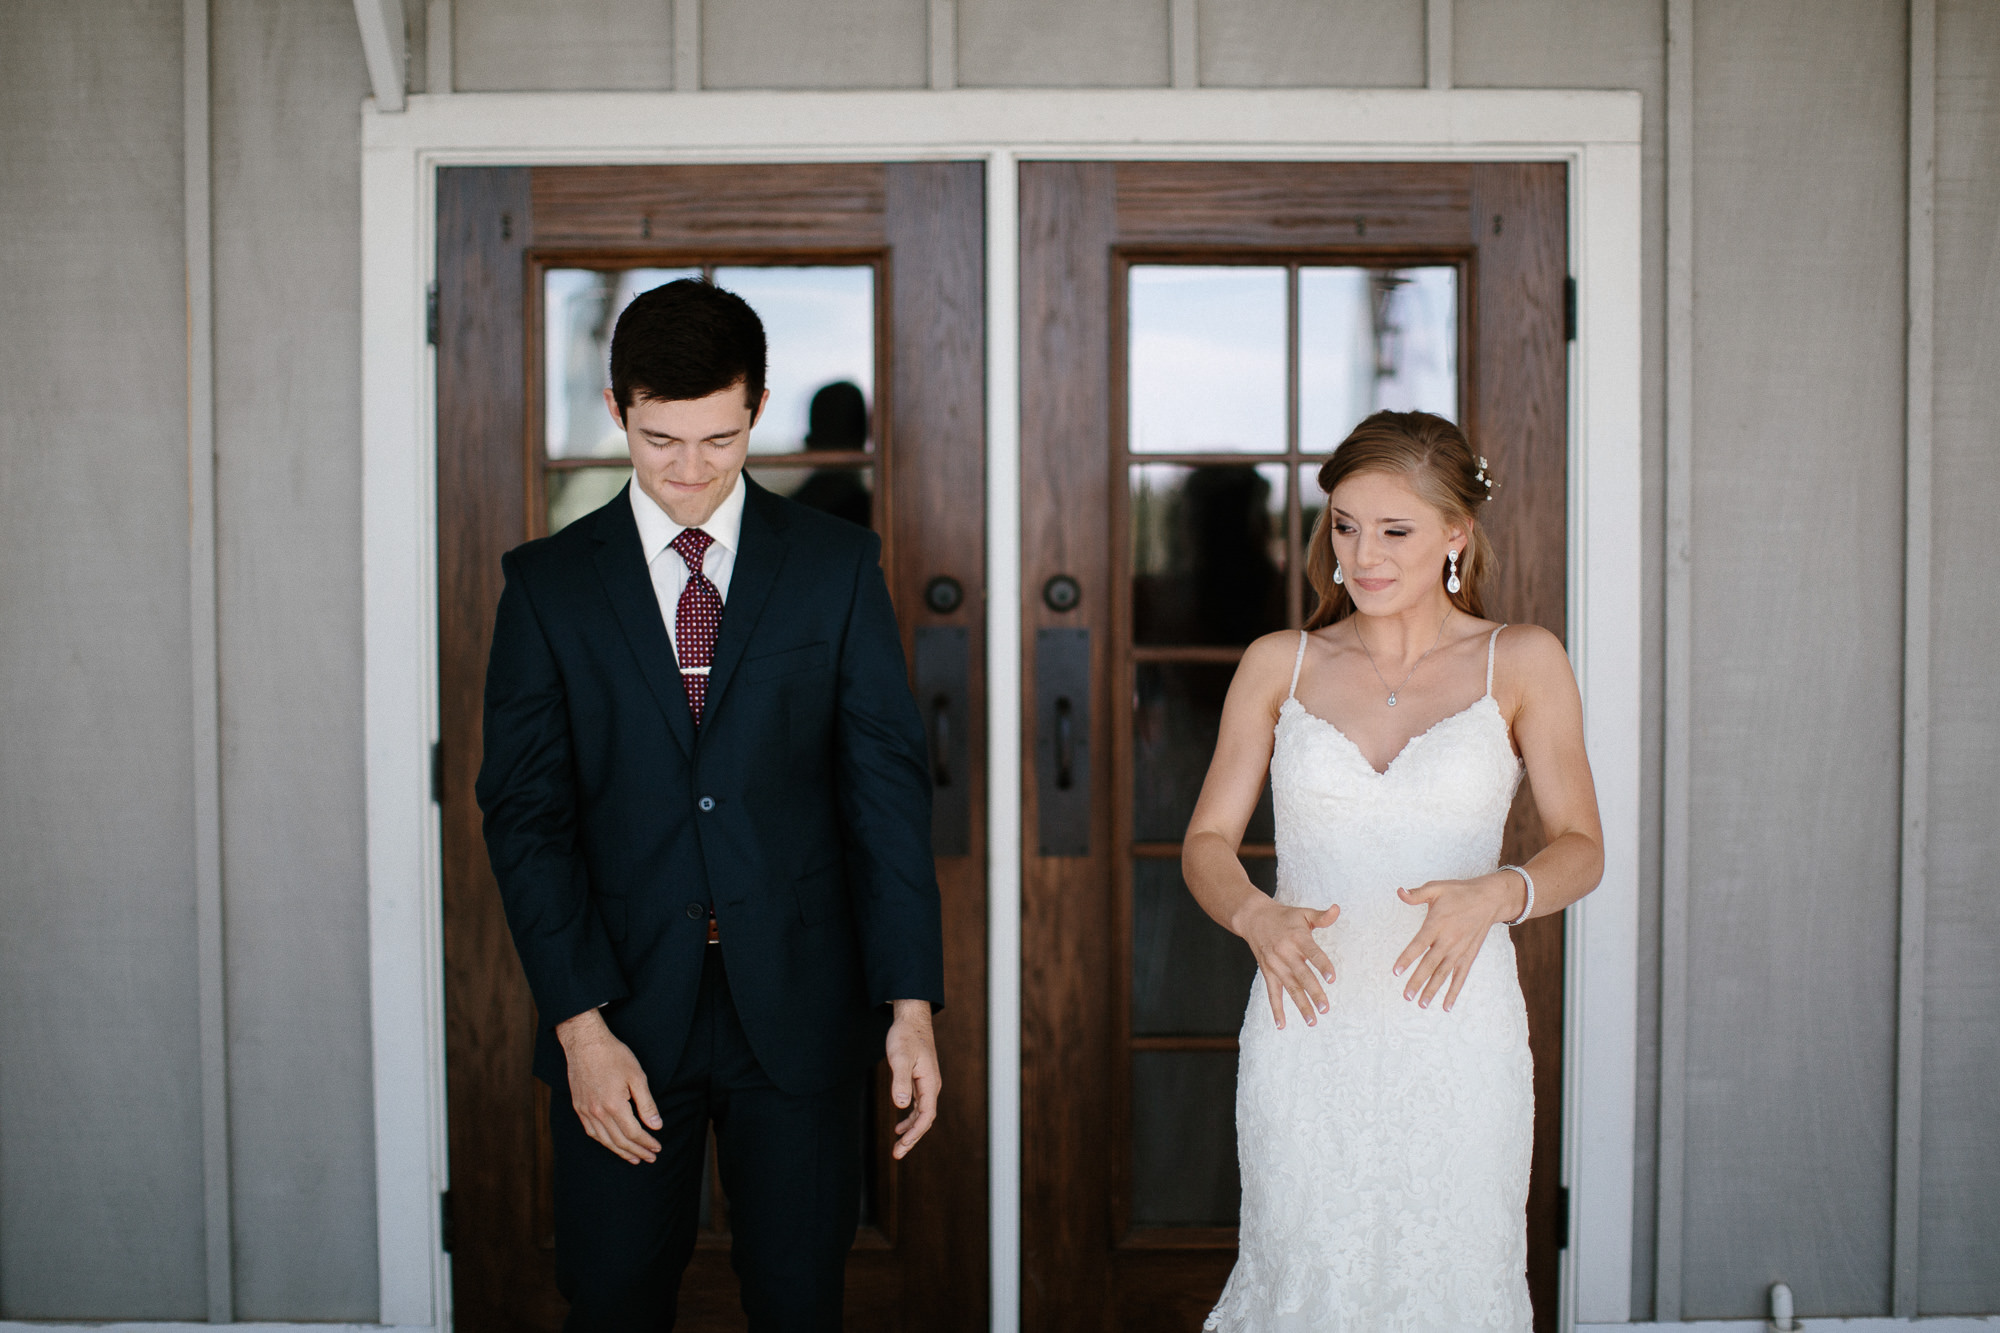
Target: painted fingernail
[[1397, 971]]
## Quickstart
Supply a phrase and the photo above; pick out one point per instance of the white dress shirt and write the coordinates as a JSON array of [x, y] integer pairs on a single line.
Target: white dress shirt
[[669, 571]]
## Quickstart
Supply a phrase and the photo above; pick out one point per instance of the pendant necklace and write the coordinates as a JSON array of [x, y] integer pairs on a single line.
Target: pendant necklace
[[1397, 688]]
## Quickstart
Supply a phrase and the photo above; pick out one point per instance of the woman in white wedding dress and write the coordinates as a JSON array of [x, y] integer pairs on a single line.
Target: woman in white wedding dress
[[1384, 1104]]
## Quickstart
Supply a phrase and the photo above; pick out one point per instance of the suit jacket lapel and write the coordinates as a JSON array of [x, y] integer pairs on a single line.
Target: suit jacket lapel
[[621, 564], [761, 552]]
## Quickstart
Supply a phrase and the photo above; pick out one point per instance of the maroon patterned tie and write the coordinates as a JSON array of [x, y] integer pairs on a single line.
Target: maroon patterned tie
[[696, 619]]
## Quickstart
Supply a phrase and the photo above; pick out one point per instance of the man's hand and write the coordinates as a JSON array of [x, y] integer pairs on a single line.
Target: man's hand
[[913, 1072], [606, 1084]]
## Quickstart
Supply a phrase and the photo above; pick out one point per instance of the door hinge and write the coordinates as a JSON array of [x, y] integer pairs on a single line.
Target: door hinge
[[444, 1222], [1569, 310], [1562, 1217], [437, 772], [431, 314]]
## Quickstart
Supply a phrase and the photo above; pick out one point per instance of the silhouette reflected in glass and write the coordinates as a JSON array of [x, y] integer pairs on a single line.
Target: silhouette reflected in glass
[[1207, 571], [837, 422], [1212, 578]]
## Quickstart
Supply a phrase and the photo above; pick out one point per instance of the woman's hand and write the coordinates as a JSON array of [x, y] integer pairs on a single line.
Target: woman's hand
[[1287, 954], [1458, 914]]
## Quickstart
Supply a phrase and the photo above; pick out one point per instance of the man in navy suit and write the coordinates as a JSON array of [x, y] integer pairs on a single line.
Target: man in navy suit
[[707, 805]]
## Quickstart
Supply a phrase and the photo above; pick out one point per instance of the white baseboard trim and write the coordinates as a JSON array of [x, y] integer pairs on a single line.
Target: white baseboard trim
[[1943, 1323]]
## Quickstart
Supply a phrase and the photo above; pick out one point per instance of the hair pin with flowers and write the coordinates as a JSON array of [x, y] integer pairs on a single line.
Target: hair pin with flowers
[[1480, 476]]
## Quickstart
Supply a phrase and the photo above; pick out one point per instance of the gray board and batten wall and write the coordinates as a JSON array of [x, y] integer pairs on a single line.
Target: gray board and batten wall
[[1774, 313]]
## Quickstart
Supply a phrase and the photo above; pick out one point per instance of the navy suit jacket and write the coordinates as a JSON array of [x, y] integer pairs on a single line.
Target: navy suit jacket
[[799, 812]]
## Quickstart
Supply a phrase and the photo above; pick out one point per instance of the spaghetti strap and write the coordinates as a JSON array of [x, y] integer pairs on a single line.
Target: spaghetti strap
[[1491, 640], [1300, 661]]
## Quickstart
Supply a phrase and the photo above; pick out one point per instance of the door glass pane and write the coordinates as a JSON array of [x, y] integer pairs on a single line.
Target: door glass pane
[[1184, 1139], [1176, 714], [1208, 552], [1190, 977], [580, 308], [1312, 503], [820, 324], [1374, 339], [575, 492], [1206, 359], [845, 492]]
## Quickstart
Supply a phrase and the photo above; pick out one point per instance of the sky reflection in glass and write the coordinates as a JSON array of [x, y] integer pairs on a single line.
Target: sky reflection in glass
[[1207, 359], [820, 323], [1374, 339]]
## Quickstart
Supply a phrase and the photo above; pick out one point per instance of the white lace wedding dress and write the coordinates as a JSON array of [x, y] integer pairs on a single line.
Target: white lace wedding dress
[[1385, 1150]]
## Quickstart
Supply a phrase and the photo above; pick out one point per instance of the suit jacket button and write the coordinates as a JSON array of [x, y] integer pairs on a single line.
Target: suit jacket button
[[696, 911], [706, 803]]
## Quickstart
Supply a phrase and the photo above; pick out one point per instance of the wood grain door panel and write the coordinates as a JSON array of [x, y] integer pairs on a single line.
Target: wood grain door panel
[[1503, 225], [924, 1265]]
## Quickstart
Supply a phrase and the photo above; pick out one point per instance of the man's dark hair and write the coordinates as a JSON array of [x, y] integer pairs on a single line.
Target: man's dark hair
[[687, 339]]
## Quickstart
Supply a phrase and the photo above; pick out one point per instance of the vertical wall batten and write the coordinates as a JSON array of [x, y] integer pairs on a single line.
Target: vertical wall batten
[[1003, 722], [1183, 38], [1437, 44], [198, 202], [437, 47], [1918, 406], [687, 46], [1675, 789], [944, 45]]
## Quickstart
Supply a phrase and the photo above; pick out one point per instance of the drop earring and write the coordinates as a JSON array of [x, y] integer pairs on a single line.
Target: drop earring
[[1338, 577], [1451, 583]]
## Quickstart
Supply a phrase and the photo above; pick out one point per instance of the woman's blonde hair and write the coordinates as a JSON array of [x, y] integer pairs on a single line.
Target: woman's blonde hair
[[1433, 455]]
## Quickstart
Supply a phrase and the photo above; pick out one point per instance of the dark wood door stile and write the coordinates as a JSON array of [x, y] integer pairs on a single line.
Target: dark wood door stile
[[921, 225], [1086, 1266]]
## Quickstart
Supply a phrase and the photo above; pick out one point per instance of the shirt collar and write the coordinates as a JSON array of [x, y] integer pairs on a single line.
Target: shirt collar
[[657, 531]]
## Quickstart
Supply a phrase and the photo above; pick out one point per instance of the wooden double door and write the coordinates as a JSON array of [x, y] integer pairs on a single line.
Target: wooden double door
[[1194, 338]]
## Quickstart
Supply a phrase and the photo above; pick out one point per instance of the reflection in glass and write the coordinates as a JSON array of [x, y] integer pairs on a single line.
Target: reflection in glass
[[580, 308], [1208, 550], [1374, 339], [1190, 977], [1184, 1139], [1176, 713], [1312, 503], [1206, 367], [574, 493], [845, 492], [820, 324]]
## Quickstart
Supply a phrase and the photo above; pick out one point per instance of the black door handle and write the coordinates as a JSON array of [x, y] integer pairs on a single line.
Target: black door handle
[[1062, 741], [941, 740], [943, 685], [1065, 745]]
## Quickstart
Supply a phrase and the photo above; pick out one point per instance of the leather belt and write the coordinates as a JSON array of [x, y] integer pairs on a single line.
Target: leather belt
[[714, 937]]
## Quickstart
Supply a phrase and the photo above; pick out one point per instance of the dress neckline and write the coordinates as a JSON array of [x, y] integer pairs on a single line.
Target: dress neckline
[[1293, 702]]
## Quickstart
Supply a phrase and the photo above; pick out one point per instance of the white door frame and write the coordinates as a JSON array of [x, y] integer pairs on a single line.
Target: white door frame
[[1595, 133]]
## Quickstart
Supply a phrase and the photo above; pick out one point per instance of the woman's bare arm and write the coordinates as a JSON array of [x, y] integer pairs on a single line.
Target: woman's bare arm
[[1291, 961], [1547, 723]]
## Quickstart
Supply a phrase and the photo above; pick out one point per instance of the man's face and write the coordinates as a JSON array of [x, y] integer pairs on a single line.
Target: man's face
[[687, 452]]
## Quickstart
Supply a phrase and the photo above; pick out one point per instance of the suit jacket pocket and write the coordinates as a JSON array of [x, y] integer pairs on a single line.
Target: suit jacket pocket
[[811, 657], [822, 893]]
